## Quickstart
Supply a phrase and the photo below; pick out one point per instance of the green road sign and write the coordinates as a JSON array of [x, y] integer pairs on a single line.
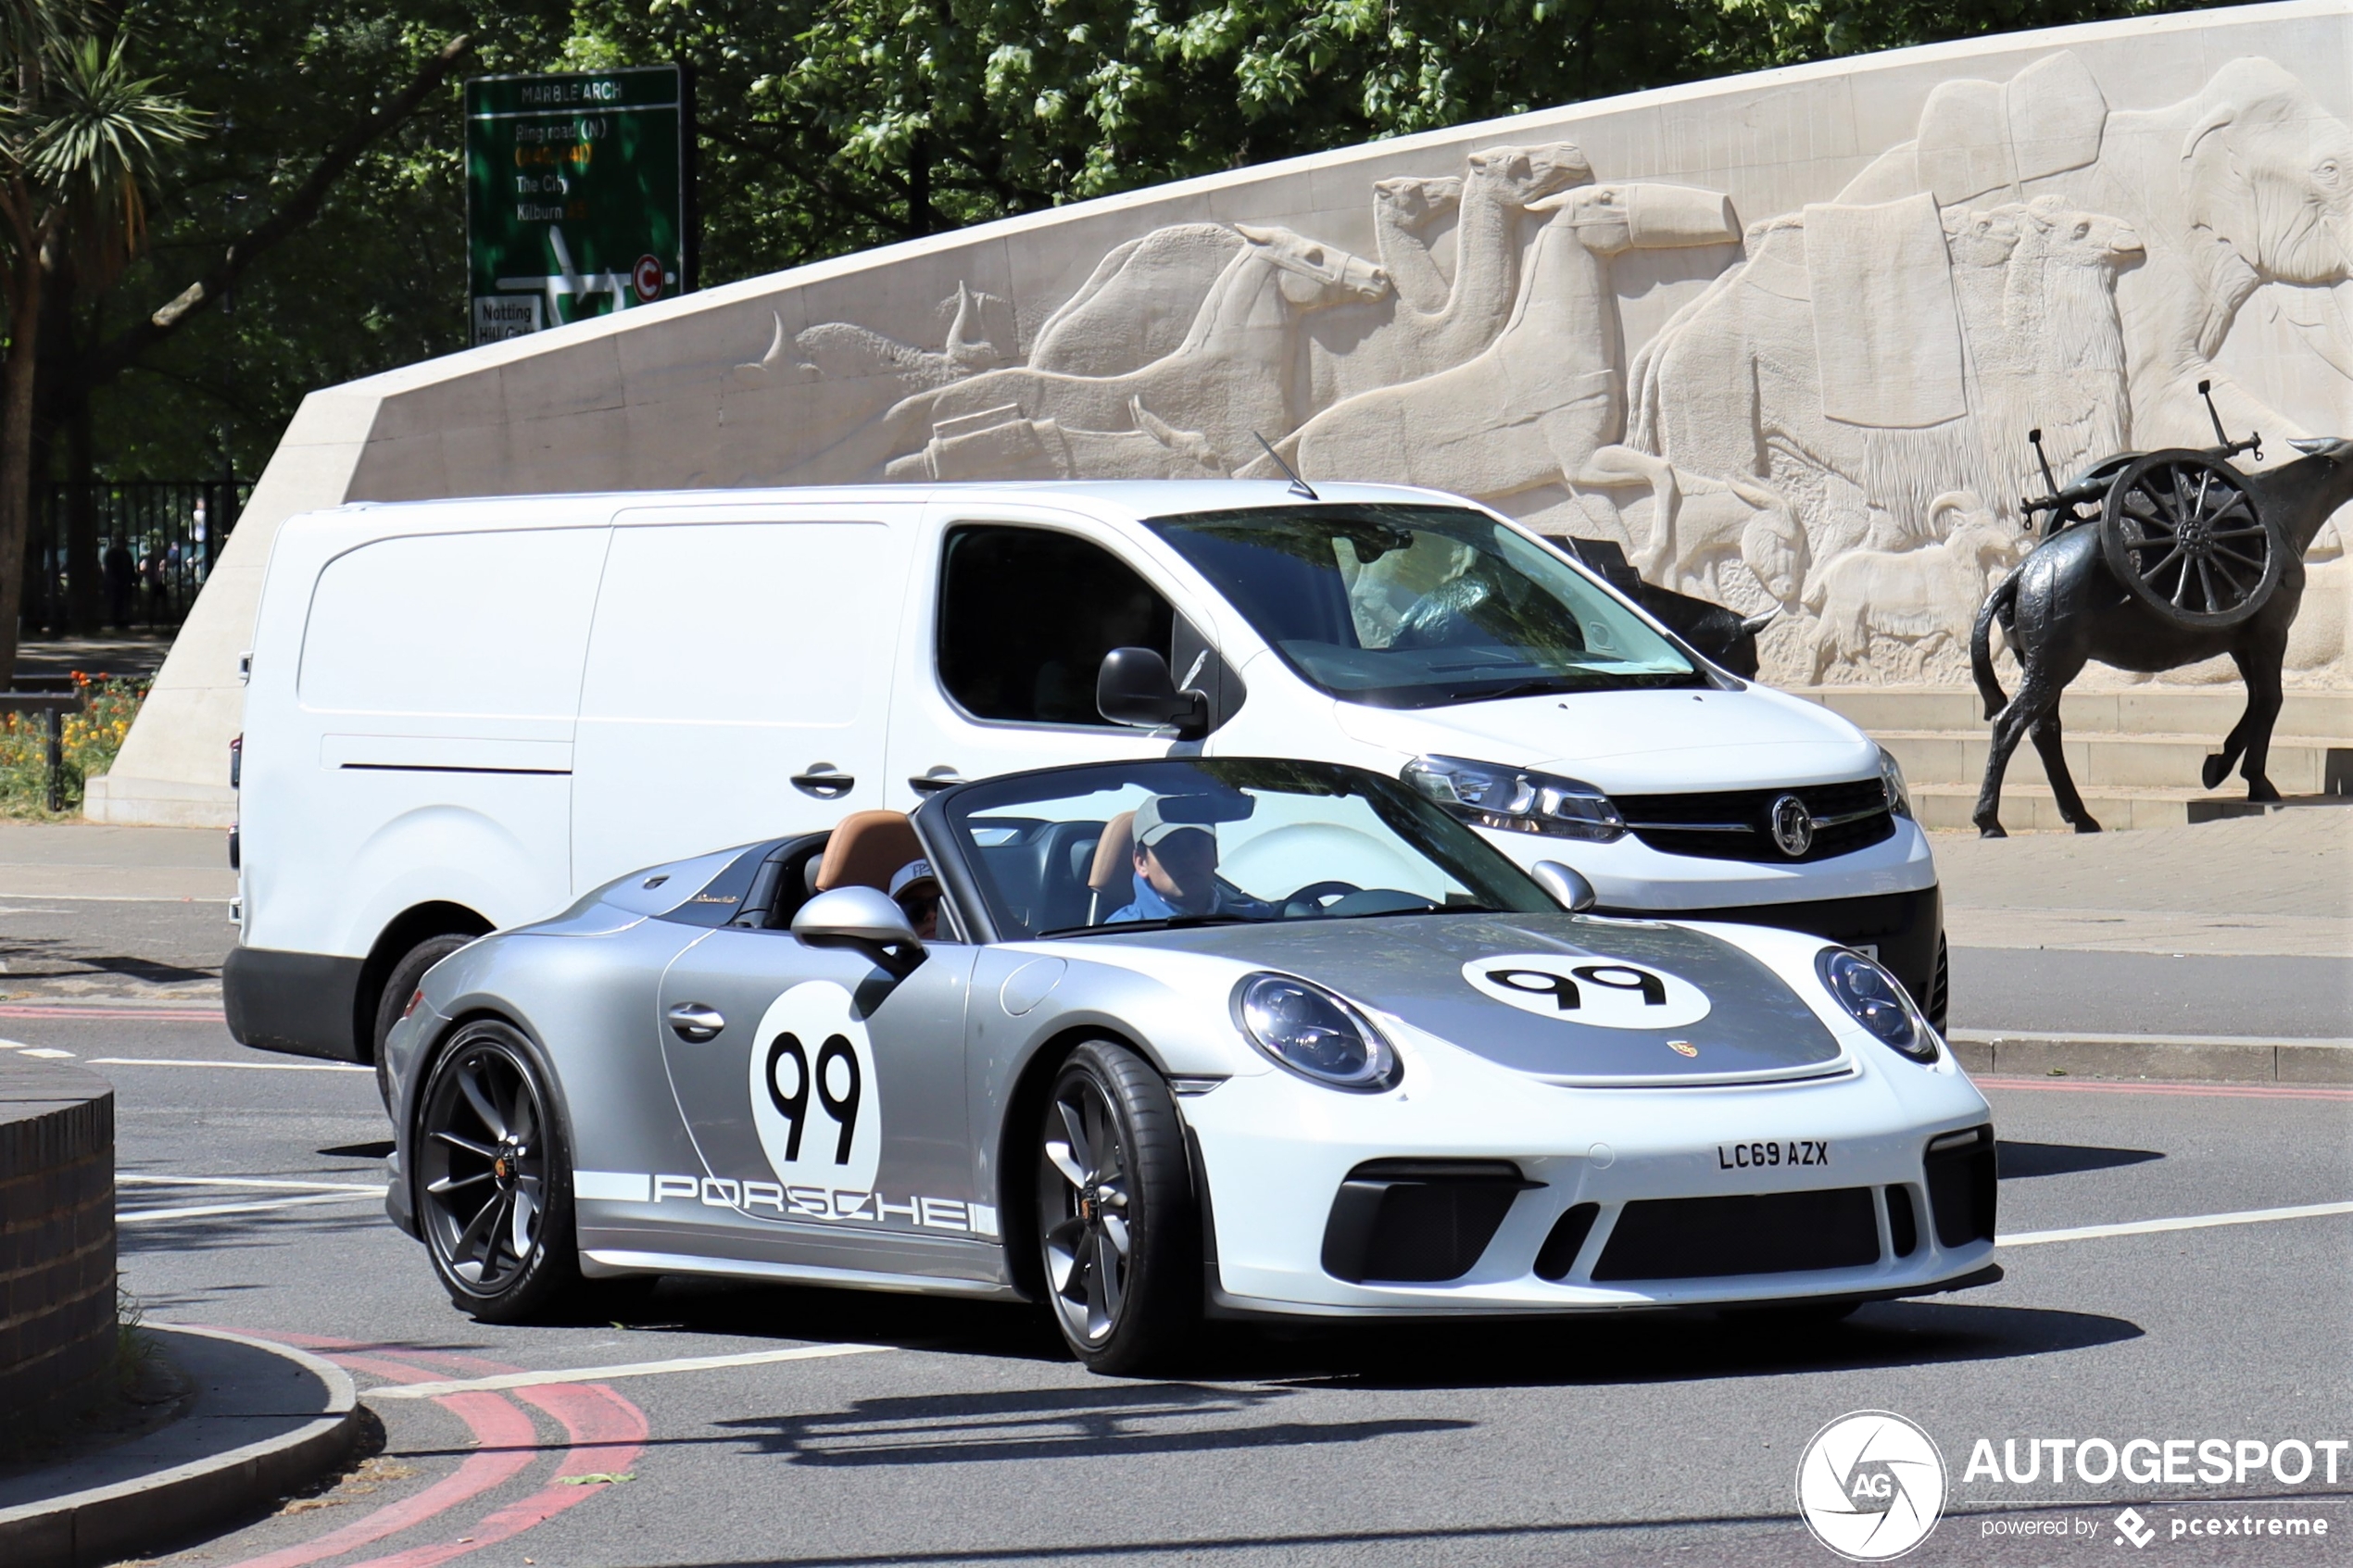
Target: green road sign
[[577, 195]]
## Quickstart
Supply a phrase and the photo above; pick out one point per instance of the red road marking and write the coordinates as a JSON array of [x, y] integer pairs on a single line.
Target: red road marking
[[161, 1015], [605, 1432], [608, 1434], [502, 1429], [2220, 1091]]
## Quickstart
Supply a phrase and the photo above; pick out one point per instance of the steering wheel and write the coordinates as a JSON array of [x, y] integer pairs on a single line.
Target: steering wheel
[[1309, 900]]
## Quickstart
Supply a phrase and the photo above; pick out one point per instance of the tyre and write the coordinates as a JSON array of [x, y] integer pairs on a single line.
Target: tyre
[[400, 986], [493, 1175], [1119, 1227]]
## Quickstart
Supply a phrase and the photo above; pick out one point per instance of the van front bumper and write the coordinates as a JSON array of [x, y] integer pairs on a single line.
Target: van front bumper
[[1904, 931]]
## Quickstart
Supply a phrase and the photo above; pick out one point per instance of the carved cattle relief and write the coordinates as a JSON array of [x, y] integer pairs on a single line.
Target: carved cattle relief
[[1829, 421]]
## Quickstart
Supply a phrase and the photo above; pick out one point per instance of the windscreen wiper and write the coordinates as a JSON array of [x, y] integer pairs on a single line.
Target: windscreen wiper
[[1171, 922], [1545, 686]]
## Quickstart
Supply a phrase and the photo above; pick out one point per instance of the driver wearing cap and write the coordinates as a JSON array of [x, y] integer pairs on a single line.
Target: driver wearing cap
[[1176, 865]]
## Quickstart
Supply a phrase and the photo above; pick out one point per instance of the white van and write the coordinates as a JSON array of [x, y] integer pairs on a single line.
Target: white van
[[460, 715]]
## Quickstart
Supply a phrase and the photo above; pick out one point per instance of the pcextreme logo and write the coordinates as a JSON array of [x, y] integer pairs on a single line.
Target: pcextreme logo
[[1870, 1486]]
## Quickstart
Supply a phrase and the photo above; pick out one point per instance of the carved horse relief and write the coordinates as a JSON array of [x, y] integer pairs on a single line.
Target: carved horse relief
[[1536, 404]]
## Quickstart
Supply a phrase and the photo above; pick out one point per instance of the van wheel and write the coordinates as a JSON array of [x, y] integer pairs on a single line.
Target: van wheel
[[493, 1173], [400, 986], [1118, 1227]]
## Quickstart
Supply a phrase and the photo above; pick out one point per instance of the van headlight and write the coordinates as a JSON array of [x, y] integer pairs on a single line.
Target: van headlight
[[1314, 1033], [1891, 773], [1489, 794], [1877, 1002]]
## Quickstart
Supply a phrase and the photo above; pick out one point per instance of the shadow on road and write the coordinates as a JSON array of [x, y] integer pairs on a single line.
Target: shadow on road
[[2018, 1159], [1092, 1420]]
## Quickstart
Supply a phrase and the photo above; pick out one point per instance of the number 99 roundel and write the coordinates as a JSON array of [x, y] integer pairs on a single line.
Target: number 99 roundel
[[814, 1098]]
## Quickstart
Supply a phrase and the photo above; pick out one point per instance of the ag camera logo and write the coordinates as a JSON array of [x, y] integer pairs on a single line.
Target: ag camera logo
[[1870, 1486]]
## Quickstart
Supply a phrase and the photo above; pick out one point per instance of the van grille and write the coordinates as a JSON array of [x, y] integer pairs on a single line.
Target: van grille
[[1733, 825]]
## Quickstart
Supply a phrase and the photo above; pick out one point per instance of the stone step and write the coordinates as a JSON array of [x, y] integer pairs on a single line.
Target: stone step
[[2298, 764], [2138, 710], [2029, 808]]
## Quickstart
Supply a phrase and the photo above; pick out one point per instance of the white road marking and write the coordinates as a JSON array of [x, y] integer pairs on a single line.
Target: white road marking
[[375, 1188], [201, 1210], [2185, 1222], [46, 1053], [607, 1374], [193, 1061]]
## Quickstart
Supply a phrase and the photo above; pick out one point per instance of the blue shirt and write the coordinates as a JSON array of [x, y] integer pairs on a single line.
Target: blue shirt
[[1149, 903]]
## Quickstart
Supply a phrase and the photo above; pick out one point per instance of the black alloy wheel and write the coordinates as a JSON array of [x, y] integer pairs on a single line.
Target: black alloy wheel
[[493, 1178], [1117, 1224]]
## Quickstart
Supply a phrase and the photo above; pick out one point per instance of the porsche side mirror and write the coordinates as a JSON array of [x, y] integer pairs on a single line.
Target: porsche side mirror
[[1133, 687], [1566, 883], [863, 918]]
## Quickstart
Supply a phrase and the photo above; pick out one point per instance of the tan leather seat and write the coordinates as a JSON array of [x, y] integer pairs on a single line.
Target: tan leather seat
[[865, 849], [1113, 869]]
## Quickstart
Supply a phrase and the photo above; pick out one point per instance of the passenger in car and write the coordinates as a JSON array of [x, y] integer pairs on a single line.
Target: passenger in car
[[917, 891]]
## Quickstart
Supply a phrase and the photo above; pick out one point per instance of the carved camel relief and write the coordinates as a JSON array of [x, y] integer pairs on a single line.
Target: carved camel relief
[[1734, 384], [2246, 182]]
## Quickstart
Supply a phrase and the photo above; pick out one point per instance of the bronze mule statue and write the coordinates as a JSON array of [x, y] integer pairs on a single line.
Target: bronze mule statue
[[2063, 605]]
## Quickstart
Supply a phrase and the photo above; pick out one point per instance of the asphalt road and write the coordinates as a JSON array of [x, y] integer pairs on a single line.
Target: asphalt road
[[968, 1438]]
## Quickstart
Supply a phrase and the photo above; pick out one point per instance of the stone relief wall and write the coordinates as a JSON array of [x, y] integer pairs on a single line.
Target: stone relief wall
[[1835, 425], [1780, 336]]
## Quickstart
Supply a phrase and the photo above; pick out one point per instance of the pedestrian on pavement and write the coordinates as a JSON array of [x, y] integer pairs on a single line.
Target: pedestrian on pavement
[[123, 581]]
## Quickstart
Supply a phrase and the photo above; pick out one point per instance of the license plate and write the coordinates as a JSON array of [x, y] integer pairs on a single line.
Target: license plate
[[1769, 1153]]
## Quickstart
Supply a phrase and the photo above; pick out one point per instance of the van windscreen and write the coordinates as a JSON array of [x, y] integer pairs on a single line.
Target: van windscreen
[[1419, 606]]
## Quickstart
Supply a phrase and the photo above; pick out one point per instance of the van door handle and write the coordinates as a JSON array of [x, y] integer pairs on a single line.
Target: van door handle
[[695, 1021], [824, 781], [935, 781]]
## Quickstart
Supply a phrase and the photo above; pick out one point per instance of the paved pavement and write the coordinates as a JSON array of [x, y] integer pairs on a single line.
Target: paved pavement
[[967, 1438]]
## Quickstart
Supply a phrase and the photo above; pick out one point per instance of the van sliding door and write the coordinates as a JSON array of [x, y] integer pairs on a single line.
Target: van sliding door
[[737, 679]]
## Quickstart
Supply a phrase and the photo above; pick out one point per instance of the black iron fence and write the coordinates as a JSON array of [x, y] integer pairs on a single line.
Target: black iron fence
[[124, 553]]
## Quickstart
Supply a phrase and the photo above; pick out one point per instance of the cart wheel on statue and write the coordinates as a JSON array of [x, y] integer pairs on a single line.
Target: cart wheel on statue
[[2180, 531]]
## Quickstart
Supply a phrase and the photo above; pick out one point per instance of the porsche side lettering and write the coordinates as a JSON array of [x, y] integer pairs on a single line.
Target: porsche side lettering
[[825, 1203], [1792, 1151]]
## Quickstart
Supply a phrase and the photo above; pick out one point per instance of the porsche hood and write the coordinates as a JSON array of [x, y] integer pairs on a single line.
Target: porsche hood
[[1567, 998]]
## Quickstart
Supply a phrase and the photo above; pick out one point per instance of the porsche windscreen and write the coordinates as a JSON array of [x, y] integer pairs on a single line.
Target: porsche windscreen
[[1153, 845], [1418, 607]]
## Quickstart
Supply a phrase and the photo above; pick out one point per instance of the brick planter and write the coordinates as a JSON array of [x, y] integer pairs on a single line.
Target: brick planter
[[56, 1239]]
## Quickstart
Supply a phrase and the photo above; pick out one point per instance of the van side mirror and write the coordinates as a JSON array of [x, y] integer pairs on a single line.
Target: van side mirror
[[1566, 883], [1134, 687], [863, 918]]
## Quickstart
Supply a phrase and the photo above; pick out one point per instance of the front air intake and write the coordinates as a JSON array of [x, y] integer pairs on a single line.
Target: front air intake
[[1962, 1186], [1417, 1222], [1771, 1233]]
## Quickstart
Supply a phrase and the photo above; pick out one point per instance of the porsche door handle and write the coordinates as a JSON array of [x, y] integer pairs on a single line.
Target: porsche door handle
[[695, 1022], [935, 781]]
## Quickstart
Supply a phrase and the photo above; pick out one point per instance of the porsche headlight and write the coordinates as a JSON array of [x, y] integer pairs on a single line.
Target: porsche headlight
[[1891, 773], [1877, 1001], [1490, 794], [1315, 1034]]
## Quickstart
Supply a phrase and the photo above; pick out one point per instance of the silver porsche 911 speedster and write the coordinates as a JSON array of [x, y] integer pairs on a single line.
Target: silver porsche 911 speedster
[[1147, 1039]]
